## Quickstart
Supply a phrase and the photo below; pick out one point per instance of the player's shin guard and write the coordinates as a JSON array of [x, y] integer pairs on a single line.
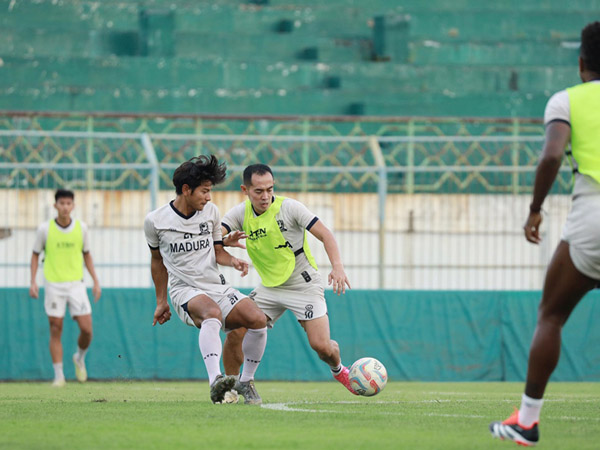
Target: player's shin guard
[[253, 346], [209, 341]]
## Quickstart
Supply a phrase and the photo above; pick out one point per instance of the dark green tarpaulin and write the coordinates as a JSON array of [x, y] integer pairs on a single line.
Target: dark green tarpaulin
[[418, 335]]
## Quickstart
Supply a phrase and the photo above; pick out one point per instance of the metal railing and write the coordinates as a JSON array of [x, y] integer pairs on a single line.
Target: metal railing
[[367, 194]]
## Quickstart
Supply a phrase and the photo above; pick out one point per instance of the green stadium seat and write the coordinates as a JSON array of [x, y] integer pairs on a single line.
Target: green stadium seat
[[408, 57]]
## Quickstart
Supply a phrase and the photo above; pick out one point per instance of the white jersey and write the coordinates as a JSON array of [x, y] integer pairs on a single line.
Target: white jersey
[[558, 109], [293, 219], [186, 244], [42, 235], [581, 228]]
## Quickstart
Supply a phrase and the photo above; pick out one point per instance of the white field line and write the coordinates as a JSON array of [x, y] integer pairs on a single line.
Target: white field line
[[288, 408], [285, 407], [446, 400], [488, 395]]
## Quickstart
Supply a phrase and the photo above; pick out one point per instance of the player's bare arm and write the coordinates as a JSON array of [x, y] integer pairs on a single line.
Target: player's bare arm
[[34, 291], [558, 135], [226, 259], [337, 277], [89, 264], [233, 239], [160, 276]]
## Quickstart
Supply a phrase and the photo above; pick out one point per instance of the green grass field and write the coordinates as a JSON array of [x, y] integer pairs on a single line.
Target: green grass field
[[179, 415]]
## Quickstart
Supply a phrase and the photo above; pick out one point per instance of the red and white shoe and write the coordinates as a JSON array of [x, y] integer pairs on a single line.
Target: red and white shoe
[[342, 377], [511, 429]]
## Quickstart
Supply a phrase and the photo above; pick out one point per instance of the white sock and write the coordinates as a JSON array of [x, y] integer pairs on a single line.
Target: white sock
[[209, 341], [529, 412], [336, 370], [253, 347], [80, 354], [58, 371]]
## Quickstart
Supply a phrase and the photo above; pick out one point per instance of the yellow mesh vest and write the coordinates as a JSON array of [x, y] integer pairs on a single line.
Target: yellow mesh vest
[[63, 254], [584, 101], [270, 253]]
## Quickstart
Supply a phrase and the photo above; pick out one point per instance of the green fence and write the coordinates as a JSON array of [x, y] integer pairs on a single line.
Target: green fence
[[432, 336], [421, 154]]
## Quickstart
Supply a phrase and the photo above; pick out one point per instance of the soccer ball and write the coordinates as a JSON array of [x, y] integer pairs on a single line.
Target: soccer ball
[[367, 376]]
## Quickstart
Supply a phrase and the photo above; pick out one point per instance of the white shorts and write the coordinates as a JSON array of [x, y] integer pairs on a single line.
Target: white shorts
[[73, 293], [582, 232], [224, 296], [305, 299]]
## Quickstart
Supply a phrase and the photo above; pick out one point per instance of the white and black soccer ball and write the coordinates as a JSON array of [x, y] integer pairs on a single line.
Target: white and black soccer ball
[[368, 376]]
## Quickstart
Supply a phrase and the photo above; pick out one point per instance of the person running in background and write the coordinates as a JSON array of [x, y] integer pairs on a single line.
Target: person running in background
[[65, 244]]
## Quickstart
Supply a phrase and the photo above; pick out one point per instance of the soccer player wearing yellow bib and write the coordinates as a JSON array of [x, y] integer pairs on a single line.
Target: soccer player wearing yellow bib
[[572, 115], [275, 231], [64, 241], [185, 241]]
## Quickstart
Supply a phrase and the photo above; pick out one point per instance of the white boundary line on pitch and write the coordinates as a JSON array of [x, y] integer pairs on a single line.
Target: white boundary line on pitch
[[438, 400], [287, 408]]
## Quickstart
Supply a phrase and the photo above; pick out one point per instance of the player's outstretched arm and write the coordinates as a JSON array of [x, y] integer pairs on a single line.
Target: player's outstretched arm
[[224, 258], [160, 276], [34, 291], [89, 264], [558, 135], [337, 277]]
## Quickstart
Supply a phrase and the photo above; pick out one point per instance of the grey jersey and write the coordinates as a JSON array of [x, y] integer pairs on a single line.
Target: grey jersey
[[187, 245], [293, 219]]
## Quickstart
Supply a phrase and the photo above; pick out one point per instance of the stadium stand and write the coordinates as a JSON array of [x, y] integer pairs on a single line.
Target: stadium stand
[[289, 57]]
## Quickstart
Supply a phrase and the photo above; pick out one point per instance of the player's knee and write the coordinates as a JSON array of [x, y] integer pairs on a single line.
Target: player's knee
[[551, 316], [257, 321], [56, 329], [87, 333], [214, 313], [552, 319], [323, 348], [209, 312]]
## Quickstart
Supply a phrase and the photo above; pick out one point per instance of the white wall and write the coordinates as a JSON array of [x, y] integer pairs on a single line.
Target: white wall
[[431, 241]]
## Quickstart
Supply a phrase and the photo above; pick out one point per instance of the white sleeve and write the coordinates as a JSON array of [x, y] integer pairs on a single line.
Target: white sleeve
[[151, 234], [300, 213], [234, 219], [86, 238], [40, 238], [216, 233], [558, 108]]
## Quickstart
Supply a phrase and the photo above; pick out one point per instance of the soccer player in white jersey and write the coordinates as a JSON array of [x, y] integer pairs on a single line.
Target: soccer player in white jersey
[[186, 245], [571, 116], [274, 228], [66, 248]]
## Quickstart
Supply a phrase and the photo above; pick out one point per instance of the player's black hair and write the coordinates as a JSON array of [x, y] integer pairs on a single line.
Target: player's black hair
[[64, 193], [259, 169], [197, 170], [590, 47]]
